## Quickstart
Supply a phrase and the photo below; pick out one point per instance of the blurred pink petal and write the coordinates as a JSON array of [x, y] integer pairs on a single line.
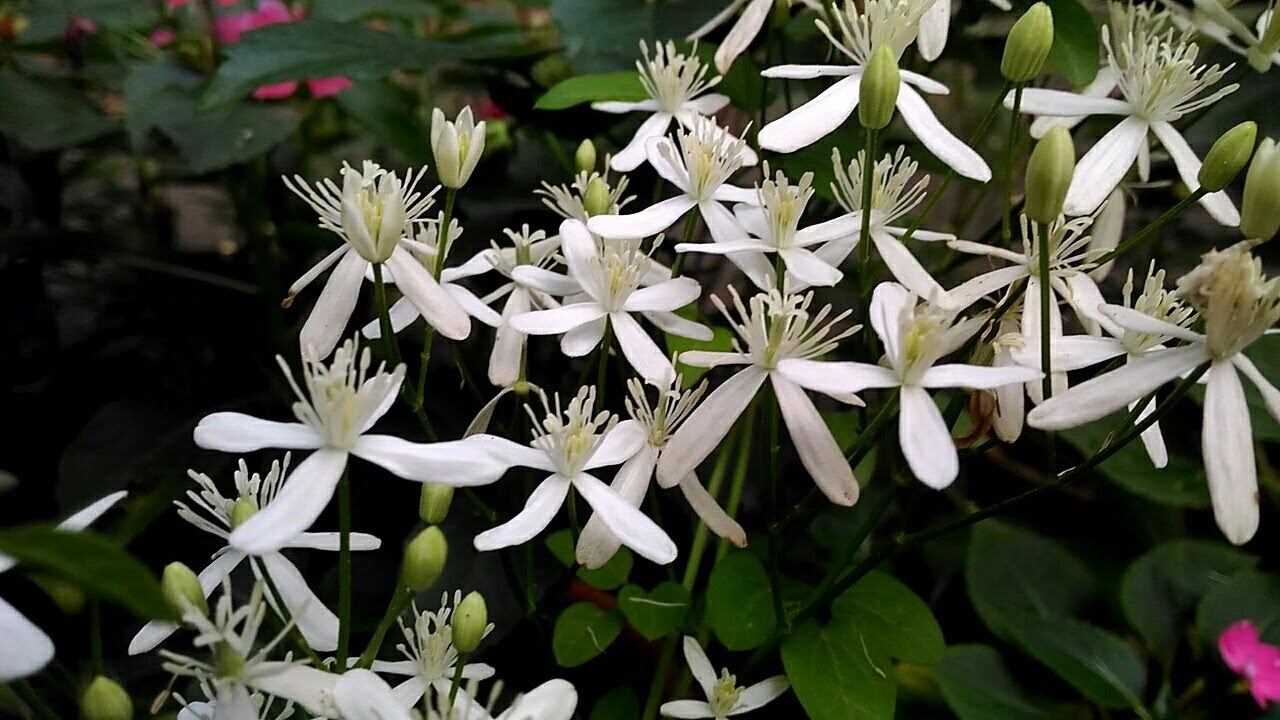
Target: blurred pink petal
[[277, 91], [177, 3], [229, 28], [1238, 644], [1255, 661], [160, 37], [327, 87], [271, 12]]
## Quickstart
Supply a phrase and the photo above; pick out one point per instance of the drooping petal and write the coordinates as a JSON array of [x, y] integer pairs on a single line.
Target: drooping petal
[[627, 523], [707, 425], [508, 343], [1060, 103], [648, 360], [967, 293], [650, 221], [1082, 293], [1103, 167], [581, 340], [328, 320], [237, 432], [976, 377], [630, 157], [437, 307], [402, 314], [457, 463], [1010, 403], [316, 622], [1228, 454], [716, 20], [472, 305], [543, 504], [26, 648], [157, 631], [926, 439], [905, 267], [934, 25], [1184, 158], [809, 268], [818, 450], [1270, 395], [742, 33], [814, 120], [296, 506], [836, 378], [557, 320], [1108, 228], [409, 692], [1152, 438], [938, 139], [596, 546], [673, 324], [706, 507], [887, 303]]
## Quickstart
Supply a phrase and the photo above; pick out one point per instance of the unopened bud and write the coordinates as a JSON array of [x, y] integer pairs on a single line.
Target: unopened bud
[[585, 157], [1028, 45], [456, 146], [1228, 157], [470, 622], [433, 503], [104, 699], [879, 89], [1260, 211], [241, 511], [227, 660], [598, 200], [182, 589], [424, 559], [1049, 173], [551, 70]]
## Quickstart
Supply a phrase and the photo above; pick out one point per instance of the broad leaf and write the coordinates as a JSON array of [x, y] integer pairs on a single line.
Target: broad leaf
[[740, 602], [977, 685], [1102, 666], [42, 114], [605, 35], [1246, 596], [610, 576], [620, 703], [582, 632], [1012, 573], [1075, 42], [890, 616], [1181, 483], [624, 86], [657, 613]]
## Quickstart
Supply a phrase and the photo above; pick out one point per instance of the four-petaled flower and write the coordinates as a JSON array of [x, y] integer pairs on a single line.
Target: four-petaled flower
[[725, 697]]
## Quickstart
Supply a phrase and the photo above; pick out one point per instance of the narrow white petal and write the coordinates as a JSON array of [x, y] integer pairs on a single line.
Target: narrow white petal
[[81, 519], [887, 302], [924, 83], [814, 120], [905, 267], [926, 439], [543, 504], [328, 320], [837, 228], [552, 700], [1184, 158], [557, 320], [742, 33], [761, 694], [973, 290], [1103, 167], [1010, 404], [665, 296], [622, 443], [976, 377], [315, 621], [934, 25], [837, 377], [707, 425], [1138, 321], [551, 283], [437, 307], [508, 343], [630, 157], [331, 541], [581, 340], [686, 709], [717, 20], [1074, 352], [1059, 103], [708, 104], [713, 358], [1085, 298], [619, 107], [735, 194], [673, 324], [809, 268], [1270, 395], [650, 221], [1102, 85], [409, 692], [700, 666], [627, 523], [402, 314], [597, 545], [808, 72], [947, 147], [818, 450], [458, 463], [1108, 228], [296, 506], [362, 695], [472, 305], [309, 687], [648, 360], [237, 432], [26, 648], [1152, 438], [157, 631], [1228, 454], [706, 507]]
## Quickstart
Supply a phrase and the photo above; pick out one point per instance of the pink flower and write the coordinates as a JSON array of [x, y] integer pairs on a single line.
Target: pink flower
[[276, 91], [1255, 661], [160, 37], [327, 87]]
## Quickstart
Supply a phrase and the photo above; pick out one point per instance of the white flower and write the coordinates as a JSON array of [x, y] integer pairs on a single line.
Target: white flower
[[570, 201], [373, 212], [747, 27], [936, 24], [217, 515], [597, 545], [1011, 409], [675, 83], [1238, 304], [724, 696], [568, 443], [456, 146], [915, 337], [265, 706], [773, 227], [26, 648], [430, 657], [858, 34], [552, 700], [610, 273], [1215, 19], [777, 330], [341, 404], [1155, 67]]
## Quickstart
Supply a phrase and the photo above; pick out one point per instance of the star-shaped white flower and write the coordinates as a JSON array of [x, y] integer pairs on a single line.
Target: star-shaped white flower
[[212, 512], [341, 403], [725, 698], [777, 330], [568, 443], [1216, 20], [26, 648], [1155, 66], [608, 274], [857, 35], [1238, 304], [677, 85], [430, 658]]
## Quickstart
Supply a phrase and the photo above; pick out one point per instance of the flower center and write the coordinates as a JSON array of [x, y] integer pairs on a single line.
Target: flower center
[[776, 327], [622, 265], [673, 78], [1236, 300], [783, 205], [570, 436], [342, 397], [1158, 303], [859, 33], [726, 695], [1069, 249], [892, 192], [708, 154]]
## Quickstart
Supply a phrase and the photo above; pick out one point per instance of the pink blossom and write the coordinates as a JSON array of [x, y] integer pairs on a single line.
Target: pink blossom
[[230, 27], [276, 91], [327, 87], [1255, 661], [161, 37]]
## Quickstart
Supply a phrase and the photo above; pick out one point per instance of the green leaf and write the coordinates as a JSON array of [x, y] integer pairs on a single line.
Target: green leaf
[[91, 562], [620, 703], [605, 35], [977, 685], [1181, 483], [1012, 573], [386, 111], [836, 675], [740, 602], [890, 616], [346, 11], [623, 86], [1103, 667], [657, 613], [1075, 42], [610, 576], [582, 632], [1161, 588], [1248, 595], [47, 115]]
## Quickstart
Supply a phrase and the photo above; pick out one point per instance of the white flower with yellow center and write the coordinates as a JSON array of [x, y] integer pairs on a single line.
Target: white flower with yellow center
[[857, 34], [725, 697], [570, 201], [677, 85], [341, 403], [569, 442], [1238, 303], [1155, 66], [778, 331], [430, 657]]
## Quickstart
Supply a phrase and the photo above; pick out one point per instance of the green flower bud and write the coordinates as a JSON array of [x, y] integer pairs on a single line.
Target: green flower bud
[[470, 622], [227, 661], [598, 200], [1228, 157], [879, 89], [1260, 211], [1028, 45], [1049, 173], [585, 157], [433, 504], [182, 589], [241, 511], [424, 559], [104, 699], [497, 136]]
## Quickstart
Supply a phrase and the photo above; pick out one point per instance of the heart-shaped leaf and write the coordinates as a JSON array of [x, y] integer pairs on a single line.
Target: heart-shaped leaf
[[657, 613]]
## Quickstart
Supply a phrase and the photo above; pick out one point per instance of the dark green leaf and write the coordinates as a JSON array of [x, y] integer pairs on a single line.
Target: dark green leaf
[[346, 11], [891, 617], [386, 111], [582, 632], [610, 576], [1075, 42], [740, 602], [91, 562], [1103, 667], [605, 35], [977, 685], [1181, 483], [623, 86], [1247, 595], [836, 675], [657, 613], [46, 115], [1012, 573], [620, 703]]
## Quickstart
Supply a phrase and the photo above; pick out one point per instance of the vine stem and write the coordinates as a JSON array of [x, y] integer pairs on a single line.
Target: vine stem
[[864, 237], [344, 568], [391, 347], [23, 690], [442, 250], [1155, 225], [399, 601], [690, 221], [1042, 233], [1011, 156], [457, 680], [602, 368]]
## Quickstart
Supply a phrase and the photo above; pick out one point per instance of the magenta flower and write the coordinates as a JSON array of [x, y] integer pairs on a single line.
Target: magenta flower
[[230, 27], [1255, 661]]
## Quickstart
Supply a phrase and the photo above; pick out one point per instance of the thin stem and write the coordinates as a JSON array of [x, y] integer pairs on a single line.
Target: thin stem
[[690, 222], [864, 237], [702, 533], [602, 368], [738, 484], [770, 464], [389, 344], [442, 251], [344, 568], [95, 638], [860, 536], [23, 690], [1042, 233], [1010, 157], [654, 700], [457, 680], [399, 601], [1155, 225]]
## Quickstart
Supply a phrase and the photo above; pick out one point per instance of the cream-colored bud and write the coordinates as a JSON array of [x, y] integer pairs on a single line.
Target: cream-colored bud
[[1260, 210], [1228, 157], [470, 622], [457, 146], [585, 157], [434, 502], [104, 699], [1049, 171], [1030, 40], [182, 589], [424, 559], [878, 93]]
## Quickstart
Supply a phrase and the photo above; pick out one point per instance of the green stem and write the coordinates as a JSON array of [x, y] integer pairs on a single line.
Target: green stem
[[23, 690], [1042, 233], [95, 638], [1155, 225], [344, 568], [1010, 157], [399, 601], [442, 251], [690, 222], [702, 534], [864, 237], [602, 368], [457, 680], [654, 700], [851, 549], [391, 347], [739, 481], [770, 464]]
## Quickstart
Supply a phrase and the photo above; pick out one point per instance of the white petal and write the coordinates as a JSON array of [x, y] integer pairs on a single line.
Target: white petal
[[661, 151], [807, 72], [926, 440], [761, 694], [237, 432], [552, 700], [673, 324], [808, 268], [1085, 298], [402, 314], [707, 425], [735, 194], [700, 666], [409, 692], [1138, 321], [331, 541], [1101, 86], [1184, 158], [641, 351], [85, 517], [1270, 395], [512, 453], [924, 83], [552, 283], [596, 545], [1152, 438], [687, 709], [197, 711], [630, 157], [1228, 454], [472, 305], [508, 343], [708, 104], [328, 320], [457, 463], [309, 687], [717, 20], [706, 507], [947, 147], [904, 266], [557, 320], [712, 358], [887, 302], [1111, 391], [1059, 103], [157, 631], [618, 107], [742, 33], [933, 30], [817, 448], [1103, 167], [233, 703], [26, 648], [665, 296], [725, 247], [1010, 404], [1108, 228], [296, 506], [1072, 353], [622, 443], [650, 221], [976, 377], [628, 524], [836, 378], [581, 340], [837, 228], [315, 621], [814, 120], [437, 307], [543, 504], [362, 695]]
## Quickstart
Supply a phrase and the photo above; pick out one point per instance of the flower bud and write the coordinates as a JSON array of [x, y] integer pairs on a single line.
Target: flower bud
[[470, 622], [241, 511], [424, 559], [1049, 173], [182, 589], [598, 199], [104, 699], [433, 503], [456, 146], [1028, 45], [1260, 211], [1228, 157], [585, 157], [879, 89]]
